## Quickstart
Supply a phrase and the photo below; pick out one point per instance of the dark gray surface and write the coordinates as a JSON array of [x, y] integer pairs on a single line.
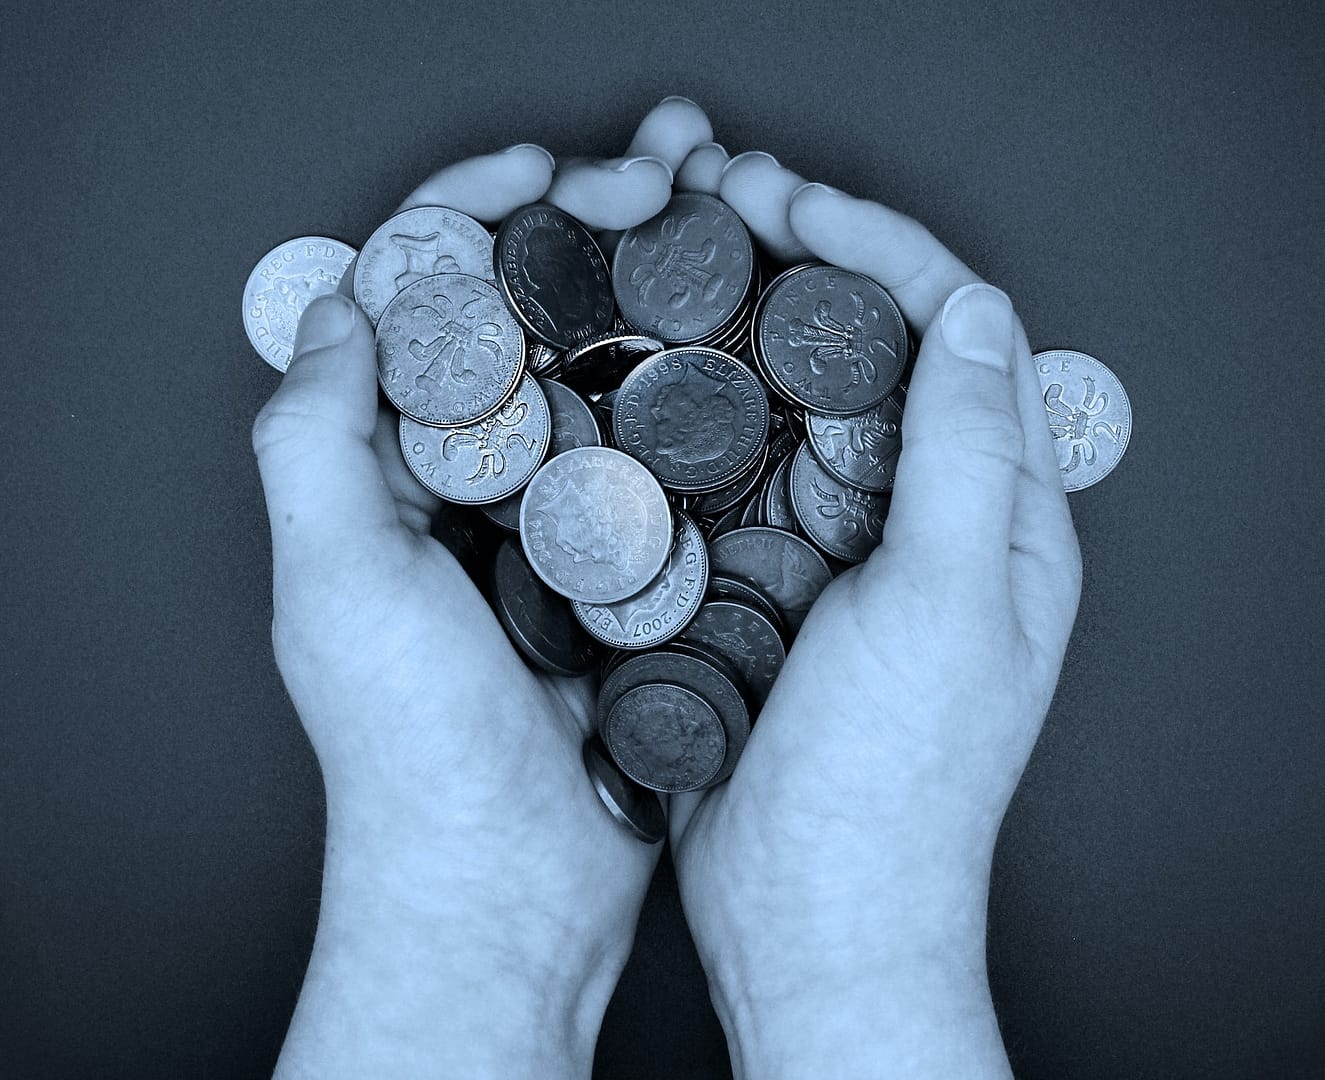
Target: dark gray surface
[[1147, 188]]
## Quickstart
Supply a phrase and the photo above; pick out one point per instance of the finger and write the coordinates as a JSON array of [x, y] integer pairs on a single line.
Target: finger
[[612, 194], [759, 190], [702, 169], [893, 249], [670, 131], [324, 484], [486, 188], [962, 444], [1042, 528], [415, 504]]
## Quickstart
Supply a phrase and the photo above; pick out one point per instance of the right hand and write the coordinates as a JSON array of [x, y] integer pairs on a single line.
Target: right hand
[[839, 879]]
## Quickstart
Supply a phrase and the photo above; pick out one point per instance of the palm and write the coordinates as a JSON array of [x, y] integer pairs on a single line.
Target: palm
[[896, 698], [451, 707]]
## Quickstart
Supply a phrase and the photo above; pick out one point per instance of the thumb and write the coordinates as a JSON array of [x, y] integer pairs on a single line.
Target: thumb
[[962, 438], [323, 484]]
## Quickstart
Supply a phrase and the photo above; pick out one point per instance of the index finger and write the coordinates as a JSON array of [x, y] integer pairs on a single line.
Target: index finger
[[486, 188], [893, 249]]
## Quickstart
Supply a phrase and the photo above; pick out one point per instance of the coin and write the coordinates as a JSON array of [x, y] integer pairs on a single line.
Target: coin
[[782, 566], [553, 276], [664, 607], [746, 637], [1090, 416], [595, 525], [696, 417], [776, 503], [448, 351], [600, 362], [830, 339], [636, 808], [736, 723], [542, 359], [730, 588], [682, 664], [537, 620], [572, 424], [484, 461], [715, 502], [666, 737], [840, 519], [282, 285], [860, 450], [683, 274], [416, 244]]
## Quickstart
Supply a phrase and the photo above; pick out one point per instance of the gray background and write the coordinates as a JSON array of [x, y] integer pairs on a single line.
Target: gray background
[[1145, 185]]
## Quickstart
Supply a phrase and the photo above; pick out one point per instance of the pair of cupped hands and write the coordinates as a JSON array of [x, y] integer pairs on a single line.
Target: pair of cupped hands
[[478, 902]]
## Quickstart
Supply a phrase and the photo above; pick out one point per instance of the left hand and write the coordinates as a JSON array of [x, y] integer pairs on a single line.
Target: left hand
[[478, 903]]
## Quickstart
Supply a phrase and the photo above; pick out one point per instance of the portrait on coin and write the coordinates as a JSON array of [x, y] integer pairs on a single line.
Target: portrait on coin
[[589, 528], [694, 419], [557, 285]]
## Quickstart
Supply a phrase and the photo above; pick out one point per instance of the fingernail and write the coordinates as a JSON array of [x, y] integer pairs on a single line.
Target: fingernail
[[678, 97], [977, 324], [711, 146], [622, 166], [815, 186], [532, 146], [750, 154], [327, 321]]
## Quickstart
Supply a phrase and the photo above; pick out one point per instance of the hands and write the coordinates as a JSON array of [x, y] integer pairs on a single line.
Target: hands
[[471, 873], [840, 878], [836, 887]]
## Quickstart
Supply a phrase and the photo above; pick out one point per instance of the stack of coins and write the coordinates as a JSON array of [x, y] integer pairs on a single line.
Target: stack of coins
[[681, 452]]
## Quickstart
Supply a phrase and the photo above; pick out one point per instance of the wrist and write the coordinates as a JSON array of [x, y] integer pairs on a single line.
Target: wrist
[[886, 977], [415, 972], [921, 1017]]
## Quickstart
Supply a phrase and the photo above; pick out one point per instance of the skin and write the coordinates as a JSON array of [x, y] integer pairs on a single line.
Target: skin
[[836, 886]]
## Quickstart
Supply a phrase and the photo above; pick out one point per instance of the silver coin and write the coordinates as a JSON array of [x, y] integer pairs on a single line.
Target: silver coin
[[635, 808], [553, 276], [666, 737], [684, 274], [776, 506], [595, 525], [751, 642], [573, 424], [840, 519], [287, 279], [860, 450], [679, 663], [696, 417], [1090, 416], [537, 620], [783, 567], [448, 350], [416, 244], [830, 339], [484, 461], [665, 607]]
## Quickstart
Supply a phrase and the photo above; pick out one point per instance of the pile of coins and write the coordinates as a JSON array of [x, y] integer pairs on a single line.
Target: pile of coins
[[665, 462]]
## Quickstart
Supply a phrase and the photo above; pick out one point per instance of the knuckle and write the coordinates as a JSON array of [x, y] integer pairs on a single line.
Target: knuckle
[[980, 429], [277, 424]]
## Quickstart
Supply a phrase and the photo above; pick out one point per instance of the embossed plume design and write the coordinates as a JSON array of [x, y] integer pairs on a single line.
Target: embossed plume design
[[833, 341], [1074, 422], [684, 269]]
